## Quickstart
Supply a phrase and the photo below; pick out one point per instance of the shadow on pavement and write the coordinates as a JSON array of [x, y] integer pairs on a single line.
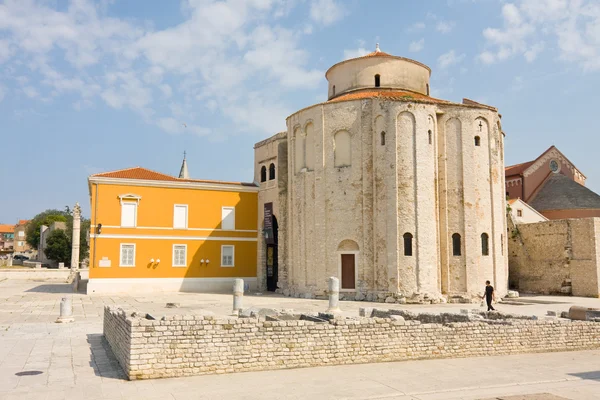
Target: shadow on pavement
[[53, 288], [102, 359], [590, 375]]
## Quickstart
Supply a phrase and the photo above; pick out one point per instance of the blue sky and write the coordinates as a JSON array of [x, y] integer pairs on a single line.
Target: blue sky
[[91, 86]]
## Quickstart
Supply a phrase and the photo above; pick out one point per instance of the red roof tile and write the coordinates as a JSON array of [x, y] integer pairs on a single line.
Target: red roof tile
[[4, 228], [149, 175], [387, 94], [137, 173], [517, 169]]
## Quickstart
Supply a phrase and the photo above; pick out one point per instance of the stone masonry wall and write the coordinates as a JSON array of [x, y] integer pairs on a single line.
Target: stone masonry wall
[[195, 345], [558, 256], [118, 334]]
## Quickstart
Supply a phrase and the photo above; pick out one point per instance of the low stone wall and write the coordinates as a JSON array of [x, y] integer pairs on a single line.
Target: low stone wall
[[194, 345], [34, 273]]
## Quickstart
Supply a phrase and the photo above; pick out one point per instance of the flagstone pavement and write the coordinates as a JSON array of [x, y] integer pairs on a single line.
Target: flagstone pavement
[[40, 359]]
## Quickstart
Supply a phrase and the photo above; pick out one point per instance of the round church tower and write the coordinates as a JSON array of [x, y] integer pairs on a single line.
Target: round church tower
[[396, 193]]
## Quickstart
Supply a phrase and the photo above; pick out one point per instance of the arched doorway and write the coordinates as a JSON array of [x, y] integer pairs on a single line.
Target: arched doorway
[[272, 256]]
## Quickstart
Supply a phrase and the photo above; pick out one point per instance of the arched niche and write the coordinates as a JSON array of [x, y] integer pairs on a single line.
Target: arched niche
[[348, 245], [342, 149]]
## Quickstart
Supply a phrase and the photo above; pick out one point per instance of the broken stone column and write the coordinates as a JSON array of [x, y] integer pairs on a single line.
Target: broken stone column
[[238, 295], [66, 311], [334, 295]]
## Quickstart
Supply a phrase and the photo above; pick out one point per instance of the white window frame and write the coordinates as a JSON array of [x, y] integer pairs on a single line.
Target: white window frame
[[222, 219], [121, 255], [186, 215], [21, 234], [135, 213], [184, 258], [232, 256]]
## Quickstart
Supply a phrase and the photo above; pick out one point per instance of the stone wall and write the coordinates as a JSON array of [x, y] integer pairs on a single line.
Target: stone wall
[[194, 345], [556, 257]]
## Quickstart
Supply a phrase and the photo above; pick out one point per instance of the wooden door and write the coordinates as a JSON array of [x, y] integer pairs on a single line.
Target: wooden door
[[348, 271]]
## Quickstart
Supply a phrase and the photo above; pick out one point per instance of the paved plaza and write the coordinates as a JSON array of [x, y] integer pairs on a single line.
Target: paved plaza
[[40, 359]]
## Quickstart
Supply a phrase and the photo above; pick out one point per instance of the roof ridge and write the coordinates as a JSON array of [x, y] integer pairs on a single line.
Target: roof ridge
[[115, 171]]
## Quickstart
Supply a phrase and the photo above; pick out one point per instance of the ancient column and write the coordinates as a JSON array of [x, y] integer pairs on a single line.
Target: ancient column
[[238, 294], [76, 237], [334, 295]]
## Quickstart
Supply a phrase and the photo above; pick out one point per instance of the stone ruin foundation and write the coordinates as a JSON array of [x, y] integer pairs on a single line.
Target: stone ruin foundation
[[184, 345]]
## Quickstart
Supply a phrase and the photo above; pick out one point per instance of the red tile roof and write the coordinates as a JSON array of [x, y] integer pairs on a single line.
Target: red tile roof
[[149, 175], [23, 221], [4, 228], [517, 169], [387, 94], [137, 173]]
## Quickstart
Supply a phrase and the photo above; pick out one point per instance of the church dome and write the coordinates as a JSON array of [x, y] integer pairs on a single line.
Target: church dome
[[378, 70]]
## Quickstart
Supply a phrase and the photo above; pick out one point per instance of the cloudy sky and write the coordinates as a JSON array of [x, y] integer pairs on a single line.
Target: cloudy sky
[[89, 86]]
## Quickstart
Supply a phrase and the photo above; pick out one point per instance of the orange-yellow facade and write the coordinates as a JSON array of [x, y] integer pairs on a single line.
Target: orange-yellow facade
[[169, 230]]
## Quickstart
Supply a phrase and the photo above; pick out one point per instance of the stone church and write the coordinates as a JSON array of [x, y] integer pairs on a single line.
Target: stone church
[[398, 194]]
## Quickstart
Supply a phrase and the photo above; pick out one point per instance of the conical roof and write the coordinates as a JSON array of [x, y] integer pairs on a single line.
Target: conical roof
[[183, 172], [562, 193]]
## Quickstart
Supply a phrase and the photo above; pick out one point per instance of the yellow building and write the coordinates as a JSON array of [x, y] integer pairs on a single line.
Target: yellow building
[[155, 232]]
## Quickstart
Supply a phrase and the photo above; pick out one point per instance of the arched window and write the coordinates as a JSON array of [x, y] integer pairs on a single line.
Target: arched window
[[342, 156], [377, 80], [485, 246], [477, 141], [382, 138], [408, 244], [427, 86], [333, 92], [263, 174], [271, 171], [430, 136], [456, 245]]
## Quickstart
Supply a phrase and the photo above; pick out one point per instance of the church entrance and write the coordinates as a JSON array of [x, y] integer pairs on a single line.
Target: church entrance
[[271, 257], [348, 271]]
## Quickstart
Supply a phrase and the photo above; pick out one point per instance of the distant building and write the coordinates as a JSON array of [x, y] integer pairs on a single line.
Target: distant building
[[7, 237], [523, 213], [156, 232], [553, 186], [20, 244]]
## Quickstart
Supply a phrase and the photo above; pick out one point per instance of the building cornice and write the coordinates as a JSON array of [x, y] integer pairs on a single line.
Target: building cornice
[[224, 187]]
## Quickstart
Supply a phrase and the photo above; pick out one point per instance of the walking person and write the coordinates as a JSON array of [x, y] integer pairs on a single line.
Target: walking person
[[489, 296]]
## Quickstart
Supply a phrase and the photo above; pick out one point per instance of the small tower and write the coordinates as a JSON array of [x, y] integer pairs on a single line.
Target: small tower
[[183, 173]]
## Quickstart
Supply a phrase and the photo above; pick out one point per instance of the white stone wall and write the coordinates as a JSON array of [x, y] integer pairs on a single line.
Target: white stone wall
[[183, 345], [272, 150], [407, 185]]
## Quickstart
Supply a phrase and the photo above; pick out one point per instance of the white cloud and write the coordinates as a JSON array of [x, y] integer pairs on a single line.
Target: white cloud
[[416, 27], [445, 26], [354, 53], [222, 51], [572, 27], [450, 58], [326, 12], [416, 46], [2, 93], [31, 92]]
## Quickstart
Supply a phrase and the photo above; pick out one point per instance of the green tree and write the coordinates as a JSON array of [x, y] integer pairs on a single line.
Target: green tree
[[43, 218], [58, 246]]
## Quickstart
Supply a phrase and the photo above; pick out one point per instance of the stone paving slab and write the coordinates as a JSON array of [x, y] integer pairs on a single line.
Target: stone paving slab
[[76, 363]]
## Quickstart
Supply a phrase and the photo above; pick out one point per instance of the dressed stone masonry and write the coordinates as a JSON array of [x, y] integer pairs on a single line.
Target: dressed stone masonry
[[186, 345], [398, 194]]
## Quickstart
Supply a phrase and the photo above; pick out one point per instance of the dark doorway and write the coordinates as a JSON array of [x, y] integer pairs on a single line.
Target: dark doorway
[[348, 271], [271, 258]]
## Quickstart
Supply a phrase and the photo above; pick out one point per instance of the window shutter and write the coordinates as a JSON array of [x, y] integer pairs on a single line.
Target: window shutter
[[228, 218], [128, 211], [180, 217]]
